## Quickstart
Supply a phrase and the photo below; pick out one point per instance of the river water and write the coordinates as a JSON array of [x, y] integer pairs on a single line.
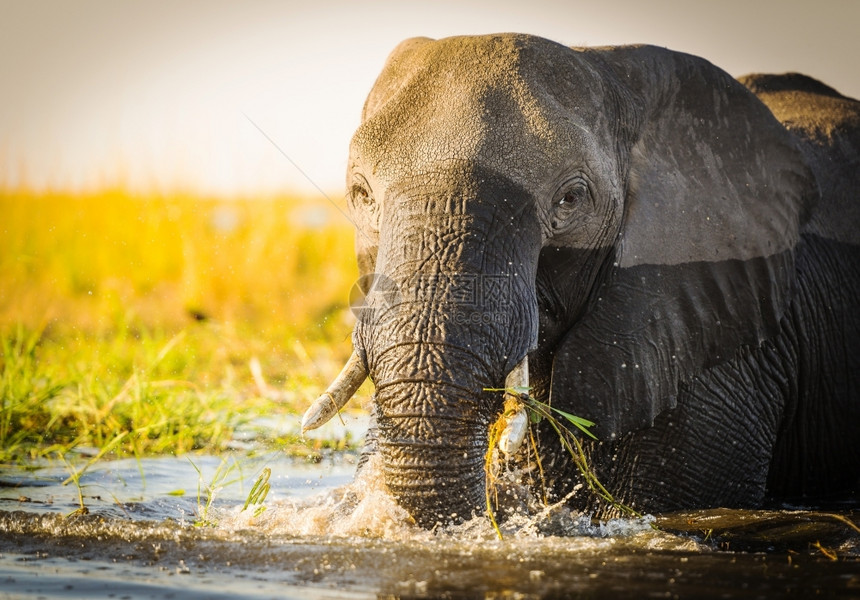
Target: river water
[[148, 533]]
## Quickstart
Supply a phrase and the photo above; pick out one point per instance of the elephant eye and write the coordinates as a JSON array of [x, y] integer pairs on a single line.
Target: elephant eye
[[568, 203], [361, 198], [362, 203]]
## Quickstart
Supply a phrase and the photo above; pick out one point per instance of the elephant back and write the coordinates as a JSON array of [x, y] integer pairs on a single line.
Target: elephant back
[[827, 127]]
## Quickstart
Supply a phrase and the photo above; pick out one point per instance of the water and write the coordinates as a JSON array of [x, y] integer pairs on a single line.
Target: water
[[324, 535]]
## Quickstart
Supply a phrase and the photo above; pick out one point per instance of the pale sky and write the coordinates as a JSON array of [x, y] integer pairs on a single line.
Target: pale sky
[[157, 95]]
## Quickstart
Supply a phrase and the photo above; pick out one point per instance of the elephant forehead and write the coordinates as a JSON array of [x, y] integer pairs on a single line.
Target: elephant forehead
[[419, 128], [477, 99]]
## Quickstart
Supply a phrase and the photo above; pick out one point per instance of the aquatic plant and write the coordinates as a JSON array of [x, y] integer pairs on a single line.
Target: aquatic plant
[[258, 492], [519, 398], [207, 490], [77, 473]]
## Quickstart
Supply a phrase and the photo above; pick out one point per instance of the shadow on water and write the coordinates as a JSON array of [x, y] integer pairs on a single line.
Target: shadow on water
[[323, 535]]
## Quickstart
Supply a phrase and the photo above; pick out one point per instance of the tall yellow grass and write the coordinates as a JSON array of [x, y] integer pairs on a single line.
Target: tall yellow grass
[[93, 262]]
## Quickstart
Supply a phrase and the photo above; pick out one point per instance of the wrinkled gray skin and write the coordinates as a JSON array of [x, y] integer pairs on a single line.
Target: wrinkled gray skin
[[679, 267]]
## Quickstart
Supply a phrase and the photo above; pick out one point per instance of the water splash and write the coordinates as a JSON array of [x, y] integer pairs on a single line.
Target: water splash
[[365, 508]]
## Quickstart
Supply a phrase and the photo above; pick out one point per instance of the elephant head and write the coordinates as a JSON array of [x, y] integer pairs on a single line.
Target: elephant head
[[623, 217]]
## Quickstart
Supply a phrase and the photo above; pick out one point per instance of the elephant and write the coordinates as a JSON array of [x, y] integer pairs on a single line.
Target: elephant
[[641, 239]]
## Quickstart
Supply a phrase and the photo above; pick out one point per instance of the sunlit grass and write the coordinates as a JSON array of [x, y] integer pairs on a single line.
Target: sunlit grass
[[122, 314], [104, 261]]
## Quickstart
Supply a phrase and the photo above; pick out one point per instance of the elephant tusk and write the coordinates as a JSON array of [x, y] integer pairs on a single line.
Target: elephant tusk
[[337, 395], [515, 432], [518, 378], [518, 423]]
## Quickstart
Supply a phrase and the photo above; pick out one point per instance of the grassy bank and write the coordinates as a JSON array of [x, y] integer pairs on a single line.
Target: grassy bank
[[132, 321]]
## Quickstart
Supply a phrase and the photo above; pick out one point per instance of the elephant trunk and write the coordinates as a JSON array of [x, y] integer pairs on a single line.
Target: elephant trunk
[[431, 431], [453, 309], [432, 363], [433, 462]]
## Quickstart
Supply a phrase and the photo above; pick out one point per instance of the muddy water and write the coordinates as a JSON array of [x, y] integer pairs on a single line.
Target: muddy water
[[147, 534]]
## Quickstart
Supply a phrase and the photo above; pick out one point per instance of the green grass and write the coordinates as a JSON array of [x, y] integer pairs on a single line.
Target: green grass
[[123, 315]]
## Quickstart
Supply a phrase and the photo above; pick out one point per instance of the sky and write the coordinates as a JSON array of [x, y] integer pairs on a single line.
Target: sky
[[261, 97]]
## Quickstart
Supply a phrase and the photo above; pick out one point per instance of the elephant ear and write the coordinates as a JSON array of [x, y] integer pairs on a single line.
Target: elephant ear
[[704, 262]]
